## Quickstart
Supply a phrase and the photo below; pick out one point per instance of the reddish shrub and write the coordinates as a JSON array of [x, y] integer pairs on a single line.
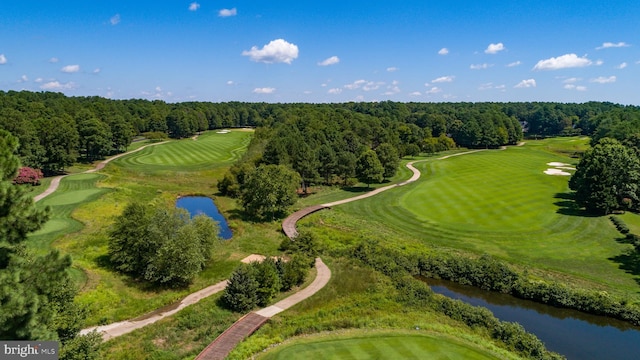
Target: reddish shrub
[[27, 175]]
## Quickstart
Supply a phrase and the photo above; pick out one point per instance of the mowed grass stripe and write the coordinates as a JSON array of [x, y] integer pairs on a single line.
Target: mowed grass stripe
[[209, 150], [501, 203], [378, 347], [74, 190]]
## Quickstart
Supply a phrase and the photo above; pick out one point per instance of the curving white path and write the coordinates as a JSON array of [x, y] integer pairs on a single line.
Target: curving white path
[[53, 186]]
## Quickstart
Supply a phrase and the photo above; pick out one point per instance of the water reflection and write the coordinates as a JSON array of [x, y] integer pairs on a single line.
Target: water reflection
[[197, 205], [572, 333]]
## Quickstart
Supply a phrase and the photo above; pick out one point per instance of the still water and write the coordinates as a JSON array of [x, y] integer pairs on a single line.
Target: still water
[[572, 333], [197, 205]]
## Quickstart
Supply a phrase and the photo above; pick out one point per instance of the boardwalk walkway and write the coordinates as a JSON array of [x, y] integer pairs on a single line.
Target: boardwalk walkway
[[248, 324]]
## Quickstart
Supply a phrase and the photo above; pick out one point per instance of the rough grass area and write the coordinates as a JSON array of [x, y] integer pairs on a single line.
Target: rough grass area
[[377, 346], [498, 202]]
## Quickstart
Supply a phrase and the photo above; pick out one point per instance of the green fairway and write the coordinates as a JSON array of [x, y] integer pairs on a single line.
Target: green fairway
[[74, 190], [210, 149], [379, 347], [502, 203]]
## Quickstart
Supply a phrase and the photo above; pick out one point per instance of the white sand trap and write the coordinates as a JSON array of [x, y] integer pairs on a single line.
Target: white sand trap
[[223, 131], [556, 172], [565, 167], [558, 164]]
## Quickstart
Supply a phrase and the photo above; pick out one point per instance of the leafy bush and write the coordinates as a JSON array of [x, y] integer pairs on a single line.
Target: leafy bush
[[27, 175]]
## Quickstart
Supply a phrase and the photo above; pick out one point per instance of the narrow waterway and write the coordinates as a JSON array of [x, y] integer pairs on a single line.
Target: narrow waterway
[[572, 333], [197, 205]]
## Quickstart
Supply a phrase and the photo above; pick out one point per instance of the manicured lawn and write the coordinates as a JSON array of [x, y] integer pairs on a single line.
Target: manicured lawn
[[74, 191], [500, 203], [378, 347], [210, 149]]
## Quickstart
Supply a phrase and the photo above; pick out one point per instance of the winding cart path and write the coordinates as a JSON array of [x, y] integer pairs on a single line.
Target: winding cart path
[[53, 186], [248, 324]]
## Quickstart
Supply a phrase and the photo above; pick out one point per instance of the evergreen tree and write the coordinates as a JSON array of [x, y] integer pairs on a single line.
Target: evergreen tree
[[240, 295], [36, 292]]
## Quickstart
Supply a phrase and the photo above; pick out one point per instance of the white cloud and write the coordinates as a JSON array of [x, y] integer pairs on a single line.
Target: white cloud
[[23, 78], [3, 59], [264, 90], [38, 80], [603, 80], [526, 83], [433, 90], [480, 66], [393, 88], [355, 85], [607, 45], [115, 19], [194, 6], [443, 51], [276, 51], [571, 80], [443, 79], [334, 91], [486, 86], [515, 63], [53, 60], [230, 82], [70, 69], [329, 61], [56, 85], [575, 87], [96, 71], [599, 62], [501, 87], [563, 62], [158, 89], [415, 93], [228, 12], [392, 69], [494, 48], [622, 66]]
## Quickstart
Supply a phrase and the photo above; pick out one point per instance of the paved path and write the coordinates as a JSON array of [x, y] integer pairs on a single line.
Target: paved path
[[53, 186], [127, 326], [248, 324]]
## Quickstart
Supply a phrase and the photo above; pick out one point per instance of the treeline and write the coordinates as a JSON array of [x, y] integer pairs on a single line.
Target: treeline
[[55, 130]]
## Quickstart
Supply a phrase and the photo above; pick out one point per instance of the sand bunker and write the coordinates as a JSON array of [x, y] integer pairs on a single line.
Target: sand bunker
[[556, 172], [557, 164], [223, 131]]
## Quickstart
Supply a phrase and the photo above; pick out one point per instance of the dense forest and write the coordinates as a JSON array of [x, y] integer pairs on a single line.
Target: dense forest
[[55, 131]]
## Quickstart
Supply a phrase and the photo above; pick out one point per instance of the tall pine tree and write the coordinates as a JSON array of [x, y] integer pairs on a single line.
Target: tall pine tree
[[36, 292]]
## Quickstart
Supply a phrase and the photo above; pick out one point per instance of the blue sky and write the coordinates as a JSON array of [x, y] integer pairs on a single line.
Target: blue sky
[[324, 51]]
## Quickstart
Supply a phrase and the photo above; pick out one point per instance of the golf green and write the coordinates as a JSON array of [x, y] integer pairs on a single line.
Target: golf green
[[379, 347]]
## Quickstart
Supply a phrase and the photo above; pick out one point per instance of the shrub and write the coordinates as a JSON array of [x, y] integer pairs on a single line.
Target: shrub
[[27, 175]]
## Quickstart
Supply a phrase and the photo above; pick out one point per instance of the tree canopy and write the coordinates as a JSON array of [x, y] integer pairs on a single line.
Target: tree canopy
[[607, 178], [161, 245]]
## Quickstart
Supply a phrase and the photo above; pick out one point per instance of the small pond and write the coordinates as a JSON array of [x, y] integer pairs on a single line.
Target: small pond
[[572, 333], [197, 205]]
